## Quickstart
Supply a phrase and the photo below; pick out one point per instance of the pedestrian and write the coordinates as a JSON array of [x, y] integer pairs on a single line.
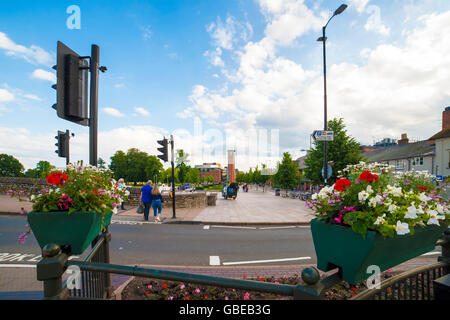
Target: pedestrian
[[121, 185], [146, 198], [156, 203]]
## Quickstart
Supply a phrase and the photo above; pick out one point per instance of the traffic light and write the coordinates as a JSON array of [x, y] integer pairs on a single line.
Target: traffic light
[[164, 150], [71, 86], [62, 144]]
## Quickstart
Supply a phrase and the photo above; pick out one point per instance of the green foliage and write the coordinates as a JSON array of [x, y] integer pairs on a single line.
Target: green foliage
[[42, 170], [10, 166], [287, 176], [342, 151]]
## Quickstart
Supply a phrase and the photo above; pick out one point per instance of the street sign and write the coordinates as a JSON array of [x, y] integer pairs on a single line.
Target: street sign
[[439, 178], [329, 172], [323, 135]]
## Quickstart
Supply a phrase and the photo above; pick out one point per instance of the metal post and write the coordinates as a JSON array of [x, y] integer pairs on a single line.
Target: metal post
[[67, 147], [174, 216], [93, 109], [50, 270], [325, 124]]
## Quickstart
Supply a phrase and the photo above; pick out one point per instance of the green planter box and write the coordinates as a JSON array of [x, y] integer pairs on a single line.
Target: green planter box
[[339, 246], [77, 229]]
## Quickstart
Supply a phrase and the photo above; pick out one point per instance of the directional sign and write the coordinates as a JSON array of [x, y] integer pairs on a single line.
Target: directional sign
[[323, 135], [329, 172]]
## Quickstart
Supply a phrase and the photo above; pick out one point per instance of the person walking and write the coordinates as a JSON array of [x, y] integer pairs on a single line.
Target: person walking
[[121, 185], [156, 203], [146, 198]]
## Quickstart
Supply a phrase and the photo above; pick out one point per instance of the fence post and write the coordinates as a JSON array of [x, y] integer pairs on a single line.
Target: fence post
[[108, 286], [50, 270]]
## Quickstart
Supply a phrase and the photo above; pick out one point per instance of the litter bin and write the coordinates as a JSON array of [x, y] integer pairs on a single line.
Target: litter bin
[[277, 192]]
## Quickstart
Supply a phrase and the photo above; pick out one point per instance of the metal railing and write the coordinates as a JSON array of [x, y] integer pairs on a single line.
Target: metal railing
[[95, 271]]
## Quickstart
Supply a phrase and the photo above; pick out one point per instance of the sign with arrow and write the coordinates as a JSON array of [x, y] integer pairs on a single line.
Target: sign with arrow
[[323, 135]]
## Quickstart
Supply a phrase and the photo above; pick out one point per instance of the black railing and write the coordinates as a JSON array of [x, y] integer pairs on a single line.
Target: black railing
[[95, 272]]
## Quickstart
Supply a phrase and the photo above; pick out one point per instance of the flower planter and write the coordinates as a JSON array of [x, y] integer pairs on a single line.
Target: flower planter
[[77, 229], [339, 246]]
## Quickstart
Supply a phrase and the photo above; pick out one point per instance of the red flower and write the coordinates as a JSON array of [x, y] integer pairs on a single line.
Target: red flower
[[164, 285], [262, 279], [341, 184], [368, 176], [57, 178], [423, 188]]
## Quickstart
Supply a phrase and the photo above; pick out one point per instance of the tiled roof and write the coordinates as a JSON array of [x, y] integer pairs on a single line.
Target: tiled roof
[[401, 151], [441, 134]]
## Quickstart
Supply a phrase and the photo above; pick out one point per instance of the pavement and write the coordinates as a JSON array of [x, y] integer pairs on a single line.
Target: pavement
[[255, 207]]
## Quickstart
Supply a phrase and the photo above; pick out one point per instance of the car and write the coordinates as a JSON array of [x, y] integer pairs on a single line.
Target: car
[[187, 187]]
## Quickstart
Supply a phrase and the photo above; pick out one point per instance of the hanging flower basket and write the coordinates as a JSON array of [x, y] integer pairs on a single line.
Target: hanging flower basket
[[340, 246], [374, 216], [77, 229]]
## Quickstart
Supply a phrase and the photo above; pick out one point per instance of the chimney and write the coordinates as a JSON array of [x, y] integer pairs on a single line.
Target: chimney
[[404, 139], [446, 118]]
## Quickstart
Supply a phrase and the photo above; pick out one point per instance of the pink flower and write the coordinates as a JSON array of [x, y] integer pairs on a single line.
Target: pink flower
[[171, 298], [182, 286], [197, 290], [149, 286], [226, 298]]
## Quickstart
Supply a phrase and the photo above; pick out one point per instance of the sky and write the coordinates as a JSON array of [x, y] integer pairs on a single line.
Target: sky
[[225, 74]]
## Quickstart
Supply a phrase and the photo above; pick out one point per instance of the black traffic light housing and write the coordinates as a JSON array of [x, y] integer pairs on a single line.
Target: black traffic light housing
[[164, 150], [72, 86], [62, 144]]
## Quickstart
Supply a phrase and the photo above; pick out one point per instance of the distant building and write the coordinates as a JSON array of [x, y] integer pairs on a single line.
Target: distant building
[[231, 169], [211, 169], [442, 145]]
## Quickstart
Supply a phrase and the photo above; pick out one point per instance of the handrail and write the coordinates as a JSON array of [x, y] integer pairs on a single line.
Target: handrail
[[368, 293], [282, 289]]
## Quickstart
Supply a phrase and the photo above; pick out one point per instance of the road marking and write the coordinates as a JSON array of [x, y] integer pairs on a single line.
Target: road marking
[[270, 228], [17, 266], [234, 227], [132, 222], [265, 261], [432, 253], [214, 260], [206, 228]]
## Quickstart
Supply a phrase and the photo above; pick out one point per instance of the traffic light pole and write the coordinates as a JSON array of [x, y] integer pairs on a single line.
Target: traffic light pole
[[173, 177], [67, 147], [93, 117]]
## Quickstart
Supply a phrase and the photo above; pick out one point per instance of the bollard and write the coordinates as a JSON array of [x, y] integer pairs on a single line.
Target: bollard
[[50, 270]]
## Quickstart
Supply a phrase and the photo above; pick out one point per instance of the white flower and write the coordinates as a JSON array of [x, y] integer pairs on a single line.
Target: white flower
[[373, 201], [127, 193], [380, 220], [423, 197], [441, 209], [314, 196], [115, 211], [392, 207], [402, 228], [434, 217], [32, 197], [362, 196], [369, 189], [395, 191], [412, 212]]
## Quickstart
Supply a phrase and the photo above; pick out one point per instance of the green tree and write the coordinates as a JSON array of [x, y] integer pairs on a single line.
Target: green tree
[[119, 165], [287, 176], [193, 175], [182, 165], [342, 151], [10, 166], [101, 163], [154, 169]]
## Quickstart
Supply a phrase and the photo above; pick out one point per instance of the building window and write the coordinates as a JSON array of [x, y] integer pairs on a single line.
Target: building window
[[418, 161]]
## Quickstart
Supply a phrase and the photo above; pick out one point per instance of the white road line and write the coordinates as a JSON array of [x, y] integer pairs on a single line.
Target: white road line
[[206, 228], [234, 227], [270, 228], [17, 266], [132, 222], [432, 253], [214, 260], [265, 261]]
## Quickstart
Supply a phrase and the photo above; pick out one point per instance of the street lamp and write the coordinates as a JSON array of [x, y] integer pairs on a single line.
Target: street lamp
[[323, 39]]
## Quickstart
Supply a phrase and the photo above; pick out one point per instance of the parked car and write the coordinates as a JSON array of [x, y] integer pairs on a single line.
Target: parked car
[[187, 187]]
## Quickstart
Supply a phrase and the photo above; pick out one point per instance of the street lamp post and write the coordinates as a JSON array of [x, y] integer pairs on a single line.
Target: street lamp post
[[325, 124]]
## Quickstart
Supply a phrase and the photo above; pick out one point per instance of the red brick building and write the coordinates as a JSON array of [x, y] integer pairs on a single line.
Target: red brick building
[[210, 169]]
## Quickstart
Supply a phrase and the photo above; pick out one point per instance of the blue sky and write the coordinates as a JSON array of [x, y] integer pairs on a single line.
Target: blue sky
[[249, 72]]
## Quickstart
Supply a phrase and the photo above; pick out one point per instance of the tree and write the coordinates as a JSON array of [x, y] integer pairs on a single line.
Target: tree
[[101, 163], [42, 170], [342, 151], [10, 166], [183, 168], [287, 176], [119, 165], [154, 169], [193, 175]]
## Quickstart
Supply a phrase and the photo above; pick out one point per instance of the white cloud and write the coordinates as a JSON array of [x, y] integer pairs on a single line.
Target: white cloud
[[6, 96], [142, 111], [119, 85], [32, 97], [32, 54], [374, 22], [44, 75], [113, 112], [360, 5]]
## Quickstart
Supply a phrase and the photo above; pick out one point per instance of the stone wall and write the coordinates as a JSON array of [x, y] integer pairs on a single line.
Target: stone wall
[[25, 184], [199, 199]]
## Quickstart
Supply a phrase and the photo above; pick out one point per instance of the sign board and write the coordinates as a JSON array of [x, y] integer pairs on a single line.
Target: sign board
[[322, 135], [439, 178], [329, 172]]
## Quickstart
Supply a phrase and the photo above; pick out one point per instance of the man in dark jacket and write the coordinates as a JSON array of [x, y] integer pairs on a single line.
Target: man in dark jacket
[[146, 198]]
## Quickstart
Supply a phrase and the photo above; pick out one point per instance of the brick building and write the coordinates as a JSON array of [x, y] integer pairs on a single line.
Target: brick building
[[211, 169]]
